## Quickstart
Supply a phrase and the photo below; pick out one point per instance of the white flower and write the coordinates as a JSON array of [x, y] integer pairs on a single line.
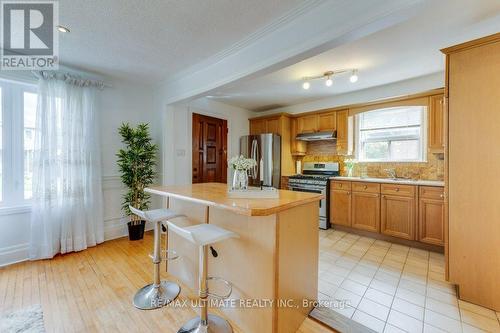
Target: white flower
[[241, 163]]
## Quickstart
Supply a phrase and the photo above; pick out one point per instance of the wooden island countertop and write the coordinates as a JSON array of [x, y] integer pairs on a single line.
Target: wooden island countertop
[[275, 257], [215, 195]]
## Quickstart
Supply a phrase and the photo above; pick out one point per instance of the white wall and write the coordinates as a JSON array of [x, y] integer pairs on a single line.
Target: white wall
[[178, 135], [401, 88], [123, 102]]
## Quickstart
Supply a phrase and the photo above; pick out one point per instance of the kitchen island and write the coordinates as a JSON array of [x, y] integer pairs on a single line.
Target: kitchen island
[[273, 266]]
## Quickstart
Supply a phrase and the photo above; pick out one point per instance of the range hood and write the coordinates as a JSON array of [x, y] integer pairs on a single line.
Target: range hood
[[318, 136]]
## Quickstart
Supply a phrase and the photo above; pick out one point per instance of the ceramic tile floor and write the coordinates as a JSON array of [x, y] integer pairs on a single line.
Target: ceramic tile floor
[[394, 288]]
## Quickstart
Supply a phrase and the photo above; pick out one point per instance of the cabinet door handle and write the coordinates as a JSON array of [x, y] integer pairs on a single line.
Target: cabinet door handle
[[397, 190], [365, 187], [442, 195], [340, 185]]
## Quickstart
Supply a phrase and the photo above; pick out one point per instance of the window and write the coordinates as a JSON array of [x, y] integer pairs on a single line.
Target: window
[[391, 135], [18, 102]]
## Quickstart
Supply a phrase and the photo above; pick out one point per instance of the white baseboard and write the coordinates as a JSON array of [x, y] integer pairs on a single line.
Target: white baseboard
[[113, 228], [14, 254]]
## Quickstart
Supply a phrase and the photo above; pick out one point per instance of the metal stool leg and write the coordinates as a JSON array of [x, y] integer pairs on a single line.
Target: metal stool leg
[[205, 323], [159, 293]]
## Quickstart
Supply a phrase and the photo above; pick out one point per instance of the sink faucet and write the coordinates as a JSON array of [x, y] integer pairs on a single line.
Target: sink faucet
[[392, 173]]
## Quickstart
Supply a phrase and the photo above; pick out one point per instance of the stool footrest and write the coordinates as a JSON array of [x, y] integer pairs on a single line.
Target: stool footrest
[[165, 255], [228, 284]]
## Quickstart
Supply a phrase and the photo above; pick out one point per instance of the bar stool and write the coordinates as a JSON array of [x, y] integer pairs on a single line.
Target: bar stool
[[204, 235], [159, 293]]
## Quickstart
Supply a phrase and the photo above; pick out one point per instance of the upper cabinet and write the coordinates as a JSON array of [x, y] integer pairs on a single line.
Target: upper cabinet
[[308, 124], [281, 125], [317, 122], [344, 133], [265, 125], [327, 121], [436, 135], [257, 126], [297, 147]]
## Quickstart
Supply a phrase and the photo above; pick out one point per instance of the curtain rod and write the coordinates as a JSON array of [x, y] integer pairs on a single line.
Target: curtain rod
[[73, 78]]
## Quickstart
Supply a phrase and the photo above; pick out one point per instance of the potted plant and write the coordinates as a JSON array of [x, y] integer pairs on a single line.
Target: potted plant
[[136, 163]]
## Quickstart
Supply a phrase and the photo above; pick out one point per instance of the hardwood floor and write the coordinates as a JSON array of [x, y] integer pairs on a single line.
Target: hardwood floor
[[91, 291]]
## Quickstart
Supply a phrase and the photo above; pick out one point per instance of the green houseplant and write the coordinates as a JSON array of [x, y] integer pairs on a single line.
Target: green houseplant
[[136, 162]]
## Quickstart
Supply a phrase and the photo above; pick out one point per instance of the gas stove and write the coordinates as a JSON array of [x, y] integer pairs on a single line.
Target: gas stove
[[316, 173], [314, 178]]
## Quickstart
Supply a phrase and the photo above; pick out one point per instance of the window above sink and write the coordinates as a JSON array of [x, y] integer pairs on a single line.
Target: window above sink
[[396, 134]]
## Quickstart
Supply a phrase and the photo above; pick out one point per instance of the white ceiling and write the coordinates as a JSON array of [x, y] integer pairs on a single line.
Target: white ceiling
[[151, 40], [408, 50]]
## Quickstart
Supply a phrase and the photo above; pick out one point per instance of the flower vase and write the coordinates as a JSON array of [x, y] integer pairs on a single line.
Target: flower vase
[[240, 180], [349, 172]]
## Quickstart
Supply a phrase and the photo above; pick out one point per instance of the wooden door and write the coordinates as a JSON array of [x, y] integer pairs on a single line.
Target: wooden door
[[366, 211], [436, 124], [327, 121], [209, 149], [398, 216], [307, 124], [257, 126], [340, 207]]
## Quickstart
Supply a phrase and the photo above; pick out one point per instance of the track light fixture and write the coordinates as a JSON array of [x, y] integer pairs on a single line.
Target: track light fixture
[[354, 76], [328, 77]]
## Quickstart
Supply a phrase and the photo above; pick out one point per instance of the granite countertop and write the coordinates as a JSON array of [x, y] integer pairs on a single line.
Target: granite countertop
[[391, 181], [216, 195]]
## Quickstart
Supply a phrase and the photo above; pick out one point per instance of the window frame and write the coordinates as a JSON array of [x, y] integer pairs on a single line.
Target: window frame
[[13, 142], [423, 137]]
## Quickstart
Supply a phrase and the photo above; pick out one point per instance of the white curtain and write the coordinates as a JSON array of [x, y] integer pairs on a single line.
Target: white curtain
[[67, 193]]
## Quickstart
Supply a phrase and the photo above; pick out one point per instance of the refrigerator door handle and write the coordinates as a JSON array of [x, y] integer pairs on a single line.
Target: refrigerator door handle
[[254, 155]]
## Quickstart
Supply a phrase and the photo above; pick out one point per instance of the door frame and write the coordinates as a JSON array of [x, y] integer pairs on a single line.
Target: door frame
[[225, 140]]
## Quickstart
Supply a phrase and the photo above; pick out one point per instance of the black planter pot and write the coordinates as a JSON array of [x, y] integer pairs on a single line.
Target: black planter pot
[[136, 231]]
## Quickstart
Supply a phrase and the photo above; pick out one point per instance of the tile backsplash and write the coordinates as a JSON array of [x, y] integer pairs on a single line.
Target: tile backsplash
[[325, 151]]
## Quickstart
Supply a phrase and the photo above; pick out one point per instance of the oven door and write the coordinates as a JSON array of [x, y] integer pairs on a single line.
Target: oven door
[[323, 209]]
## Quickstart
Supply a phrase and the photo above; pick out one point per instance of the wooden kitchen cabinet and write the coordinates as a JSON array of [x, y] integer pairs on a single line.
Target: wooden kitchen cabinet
[[280, 125], [398, 216], [472, 228], [344, 133], [297, 147], [340, 204], [327, 121], [431, 215], [366, 211], [430, 221], [308, 124], [273, 125], [257, 126], [265, 125], [436, 124], [317, 122]]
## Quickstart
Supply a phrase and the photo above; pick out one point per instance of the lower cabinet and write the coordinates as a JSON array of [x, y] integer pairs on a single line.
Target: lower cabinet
[[431, 215], [366, 211], [340, 207], [412, 212], [398, 216]]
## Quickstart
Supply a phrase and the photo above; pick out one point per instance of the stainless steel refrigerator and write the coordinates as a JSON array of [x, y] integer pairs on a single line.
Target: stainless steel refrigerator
[[266, 150]]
